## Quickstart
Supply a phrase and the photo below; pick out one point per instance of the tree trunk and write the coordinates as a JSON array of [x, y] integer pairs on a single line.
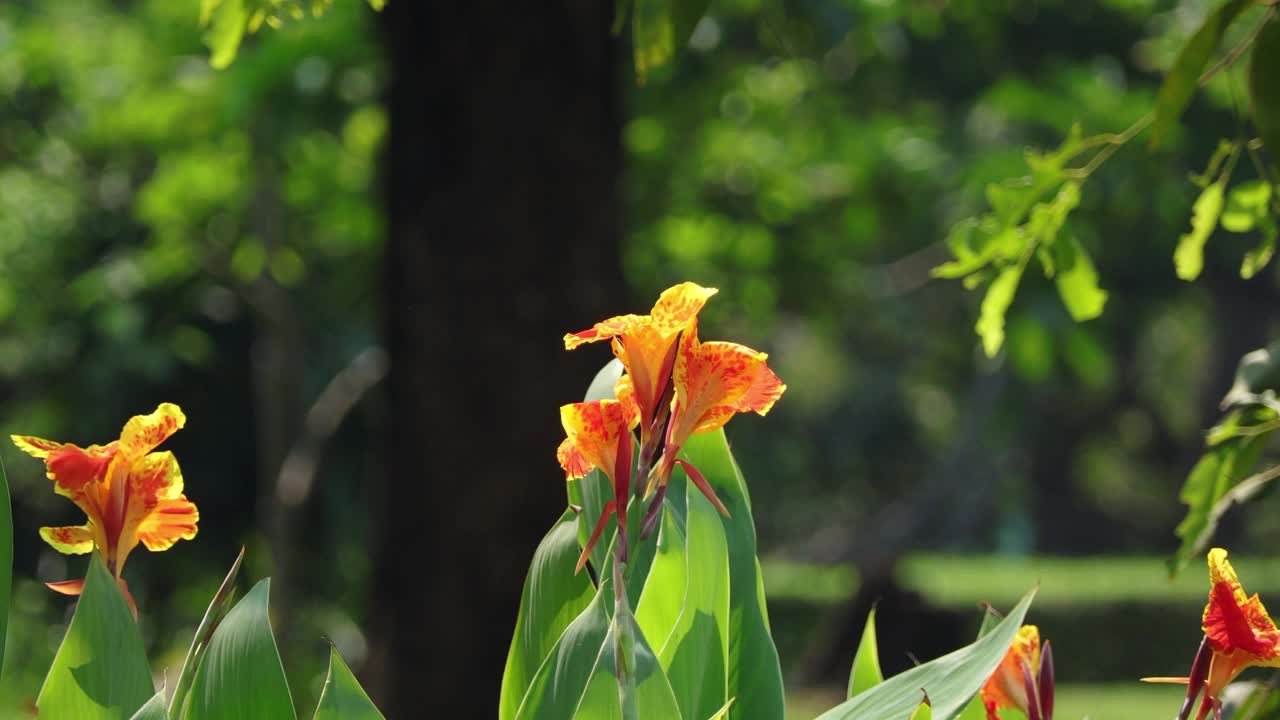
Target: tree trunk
[[502, 180]]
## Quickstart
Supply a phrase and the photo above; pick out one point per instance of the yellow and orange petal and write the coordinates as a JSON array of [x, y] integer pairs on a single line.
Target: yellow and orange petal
[[676, 306], [167, 523], [156, 511], [34, 446], [716, 380], [1007, 686], [143, 433], [594, 430], [72, 540], [1234, 621]]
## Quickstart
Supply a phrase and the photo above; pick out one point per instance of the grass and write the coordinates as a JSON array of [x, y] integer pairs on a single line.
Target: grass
[[1111, 701], [965, 580]]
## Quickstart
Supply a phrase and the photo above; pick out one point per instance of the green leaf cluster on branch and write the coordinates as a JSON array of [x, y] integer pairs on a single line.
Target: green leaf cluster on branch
[[228, 21]]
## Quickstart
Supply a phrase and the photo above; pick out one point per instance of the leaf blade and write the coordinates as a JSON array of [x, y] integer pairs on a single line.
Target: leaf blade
[[342, 697], [1183, 78]]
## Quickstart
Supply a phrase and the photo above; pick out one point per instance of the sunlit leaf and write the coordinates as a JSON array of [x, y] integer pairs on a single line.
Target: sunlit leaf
[[684, 608], [755, 677], [660, 28], [1188, 258], [553, 596], [653, 694], [561, 680], [923, 711], [1214, 475], [227, 23], [100, 671], [241, 675], [950, 681], [1257, 379], [342, 697], [865, 673], [218, 608], [153, 710], [995, 305], [1183, 78], [1259, 257], [1246, 204], [1264, 91], [1077, 280]]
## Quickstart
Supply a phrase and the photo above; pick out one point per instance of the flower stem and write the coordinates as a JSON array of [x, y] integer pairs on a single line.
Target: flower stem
[[624, 657]]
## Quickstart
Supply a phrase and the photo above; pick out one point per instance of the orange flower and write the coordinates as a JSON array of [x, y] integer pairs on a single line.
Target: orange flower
[[129, 493], [1238, 633], [599, 436], [1023, 680], [646, 345]]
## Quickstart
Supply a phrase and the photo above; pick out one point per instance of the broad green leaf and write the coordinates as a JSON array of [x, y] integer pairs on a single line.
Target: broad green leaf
[[949, 681], [100, 671], [1188, 258], [218, 608], [723, 713], [684, 608], [653, 695], [995, 305], [553, 596], [975, 710], [153, 710], [1246, 205], [561, 680], [6, 557], [1264, 92], [228, 20], [342, 697], [755, 677], [865, 673], [241, 677], [1077, 280], [1183, 78]]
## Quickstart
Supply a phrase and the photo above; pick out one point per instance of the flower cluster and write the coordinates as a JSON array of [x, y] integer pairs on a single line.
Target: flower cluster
[[130, 494], [675, 385]]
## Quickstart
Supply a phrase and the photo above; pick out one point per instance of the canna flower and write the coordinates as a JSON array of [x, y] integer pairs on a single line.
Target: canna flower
[[713, 382], [1024, 679], [646, 346], [130, 494], [1238, 633], [599, 436]]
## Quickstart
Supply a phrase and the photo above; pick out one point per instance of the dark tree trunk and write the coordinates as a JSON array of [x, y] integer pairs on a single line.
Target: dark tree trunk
[[504, 226]]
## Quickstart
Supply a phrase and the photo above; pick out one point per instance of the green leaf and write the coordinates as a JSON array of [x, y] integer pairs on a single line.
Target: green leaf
[[660, 28], [1077, 280], [865, 673], [553, 596], [995, 305], [342, 697], [923, 711], [684, 608], [723, 713], [100, 671], [1246, 205], [1183, 78], [228, 20], [1256, 380], [1259, 257], [153, 710], [377, 4], [6, 557], [1264, 92], [949, 681], [1214, 475], [561, 680], [1188, 258], [755, 677], [218, 608], [241, 677], [653, 694]]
